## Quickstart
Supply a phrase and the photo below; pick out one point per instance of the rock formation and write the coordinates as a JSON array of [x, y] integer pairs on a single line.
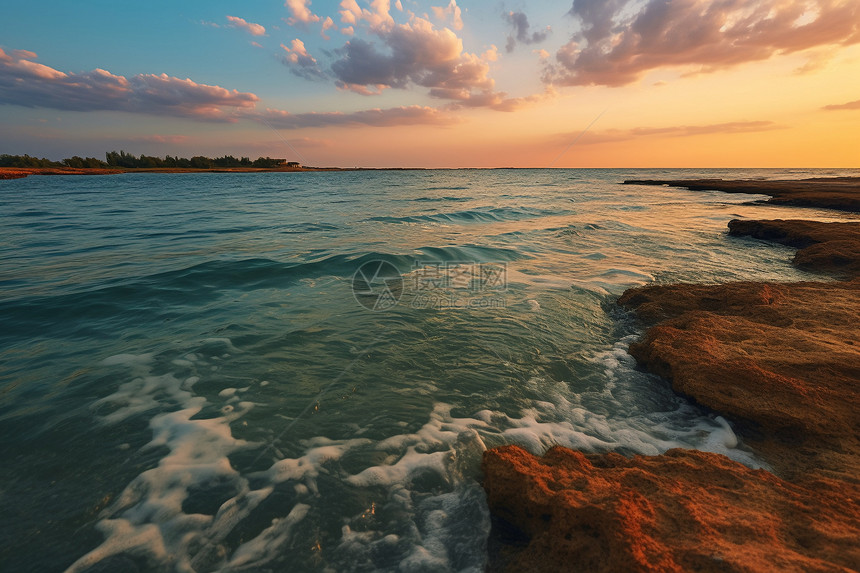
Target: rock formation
[[682, 511], [782, 362]]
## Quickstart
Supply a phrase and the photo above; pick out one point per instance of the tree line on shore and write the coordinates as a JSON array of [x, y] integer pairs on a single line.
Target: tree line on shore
[[131, 161]]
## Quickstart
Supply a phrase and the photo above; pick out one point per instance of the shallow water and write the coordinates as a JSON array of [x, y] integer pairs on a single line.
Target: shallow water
[[191, 380]]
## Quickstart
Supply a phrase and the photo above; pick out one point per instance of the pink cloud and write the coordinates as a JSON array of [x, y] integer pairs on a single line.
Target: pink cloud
[[452, 12], [621, 40], [327, 25], [377, 18], [27, 83], [301, 12], [251, 28]]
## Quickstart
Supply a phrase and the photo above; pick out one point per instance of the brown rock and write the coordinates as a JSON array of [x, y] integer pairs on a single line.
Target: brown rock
[[783, 360], [842, 193], [828, 247], [682, 511]]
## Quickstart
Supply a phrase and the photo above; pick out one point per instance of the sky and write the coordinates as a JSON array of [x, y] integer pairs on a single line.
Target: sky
[[497, 83]]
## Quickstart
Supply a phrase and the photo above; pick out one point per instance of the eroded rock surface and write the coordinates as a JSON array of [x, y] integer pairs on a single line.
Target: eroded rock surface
[[829, 247], [684, 510], [782, 361], [841, 193]]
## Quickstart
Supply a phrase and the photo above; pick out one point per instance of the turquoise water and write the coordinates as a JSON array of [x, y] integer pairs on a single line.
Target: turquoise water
[[191, 378]]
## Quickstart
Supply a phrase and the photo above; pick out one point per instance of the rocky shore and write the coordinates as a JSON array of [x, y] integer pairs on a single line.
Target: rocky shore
[[841, 193], [782, 362]]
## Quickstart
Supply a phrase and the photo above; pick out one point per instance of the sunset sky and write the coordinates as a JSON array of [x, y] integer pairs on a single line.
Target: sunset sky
[[588, 83]]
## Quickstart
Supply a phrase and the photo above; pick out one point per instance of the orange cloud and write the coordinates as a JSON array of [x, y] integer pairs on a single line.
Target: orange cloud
[[842, 106]]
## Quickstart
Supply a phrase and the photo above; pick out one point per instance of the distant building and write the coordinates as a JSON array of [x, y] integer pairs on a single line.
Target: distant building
[[292, 164]]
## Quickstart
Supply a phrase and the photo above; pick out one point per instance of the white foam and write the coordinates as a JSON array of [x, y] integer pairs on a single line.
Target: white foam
[[147, 519], [423, 482], [263, 548], [307, 467]]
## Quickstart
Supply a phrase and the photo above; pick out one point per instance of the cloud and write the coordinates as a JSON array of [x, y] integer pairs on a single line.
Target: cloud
[[616, 135], [301, 12], [253, 29], [24, 82], [841, 106], [378, 17], [520, 31], [391, 117], [301, 63], [500, 102], [451, 11], [417, 53], [327, 25], [690, 130], [621, 40], [816, 59]]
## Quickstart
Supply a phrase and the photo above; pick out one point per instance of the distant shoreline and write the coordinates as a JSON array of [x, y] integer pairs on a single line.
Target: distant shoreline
[[21, 172], [758, 187]]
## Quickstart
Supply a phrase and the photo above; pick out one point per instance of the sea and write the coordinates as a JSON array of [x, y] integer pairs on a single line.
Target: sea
[[301, 371]]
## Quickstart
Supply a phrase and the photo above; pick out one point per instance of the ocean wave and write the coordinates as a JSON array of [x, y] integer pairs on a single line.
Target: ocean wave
[[443, 198], [163, 296], [480, 215]]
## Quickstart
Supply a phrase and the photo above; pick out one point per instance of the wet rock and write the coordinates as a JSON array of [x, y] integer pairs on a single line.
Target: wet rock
[[684, 510], [829, 247], [841, 193]]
